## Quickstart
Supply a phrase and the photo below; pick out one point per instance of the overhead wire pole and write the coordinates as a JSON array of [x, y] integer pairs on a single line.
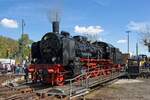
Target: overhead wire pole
[[128, 48], [22, 41], [137, 47]]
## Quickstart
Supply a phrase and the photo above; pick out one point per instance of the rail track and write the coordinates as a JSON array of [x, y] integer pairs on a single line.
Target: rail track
[[17, 93], [76, 89], [31, 91], [21, 91], [25, 96], [40, 92]]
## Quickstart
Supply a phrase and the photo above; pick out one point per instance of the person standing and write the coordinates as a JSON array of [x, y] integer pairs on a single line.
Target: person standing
[[8, 68], [26, 71], [14, 68]]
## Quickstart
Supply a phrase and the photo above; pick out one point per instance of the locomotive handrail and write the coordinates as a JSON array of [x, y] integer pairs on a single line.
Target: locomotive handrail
[[81, 74], [88, 81], [113, 69], [75, 77]]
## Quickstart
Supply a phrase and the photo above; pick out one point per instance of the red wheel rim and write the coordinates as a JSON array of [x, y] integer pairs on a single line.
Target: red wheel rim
[[60, 80], [96, 72]]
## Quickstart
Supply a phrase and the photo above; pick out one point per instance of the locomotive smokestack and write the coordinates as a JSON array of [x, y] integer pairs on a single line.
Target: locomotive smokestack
[[55, 26], [55, 21], [54, 13]]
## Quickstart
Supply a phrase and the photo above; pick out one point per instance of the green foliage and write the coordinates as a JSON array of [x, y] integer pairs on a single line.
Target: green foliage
[[24, 46], [10, 48]]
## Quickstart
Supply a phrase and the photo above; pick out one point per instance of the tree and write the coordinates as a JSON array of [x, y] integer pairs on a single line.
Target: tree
[[15, 49], [146, 40], [24, 47], [8, 47]]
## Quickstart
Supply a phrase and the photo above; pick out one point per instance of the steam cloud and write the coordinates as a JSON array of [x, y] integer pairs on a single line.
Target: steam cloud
[[54, 11], [9, 23], [90, 30], [54, 15]]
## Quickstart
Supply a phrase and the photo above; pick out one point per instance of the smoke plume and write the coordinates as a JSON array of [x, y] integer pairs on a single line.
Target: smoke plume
[[54, 15], [54, 11]]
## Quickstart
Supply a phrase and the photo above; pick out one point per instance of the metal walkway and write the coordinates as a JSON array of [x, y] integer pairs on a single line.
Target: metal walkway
[[74, 89]]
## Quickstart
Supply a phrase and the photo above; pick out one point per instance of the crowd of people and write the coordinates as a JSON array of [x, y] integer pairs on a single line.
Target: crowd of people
[[12, 68]]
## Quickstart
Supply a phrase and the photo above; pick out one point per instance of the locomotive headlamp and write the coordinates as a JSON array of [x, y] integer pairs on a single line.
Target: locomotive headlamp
[[31, 69], [45, 38], [50, 70], [53, 59]]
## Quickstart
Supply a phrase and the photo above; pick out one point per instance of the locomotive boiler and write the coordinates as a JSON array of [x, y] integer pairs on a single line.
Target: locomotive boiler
[[57, 57]]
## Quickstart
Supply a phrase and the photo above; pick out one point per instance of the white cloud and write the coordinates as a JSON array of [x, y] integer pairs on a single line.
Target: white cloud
[[122, 41], [143, 28], [139, 27], [90, 30], [10, 23], [102, 2], [100, 39]]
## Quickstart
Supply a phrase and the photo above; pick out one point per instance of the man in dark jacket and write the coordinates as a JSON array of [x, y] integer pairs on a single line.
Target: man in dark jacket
[[26, 72]]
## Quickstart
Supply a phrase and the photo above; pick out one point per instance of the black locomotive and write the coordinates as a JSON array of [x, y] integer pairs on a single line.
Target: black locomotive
[[59, 48]]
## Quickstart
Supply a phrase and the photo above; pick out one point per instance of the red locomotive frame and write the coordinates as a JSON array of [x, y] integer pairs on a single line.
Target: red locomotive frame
[[56, 72]]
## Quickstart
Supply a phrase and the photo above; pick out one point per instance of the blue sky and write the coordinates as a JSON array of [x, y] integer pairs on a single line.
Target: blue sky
[[113, 16]]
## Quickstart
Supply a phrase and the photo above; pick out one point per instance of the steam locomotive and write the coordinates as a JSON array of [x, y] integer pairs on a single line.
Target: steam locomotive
[[57, 57]]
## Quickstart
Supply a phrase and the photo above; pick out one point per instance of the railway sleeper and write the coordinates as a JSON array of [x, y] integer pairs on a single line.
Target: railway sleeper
[[26, 90]]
